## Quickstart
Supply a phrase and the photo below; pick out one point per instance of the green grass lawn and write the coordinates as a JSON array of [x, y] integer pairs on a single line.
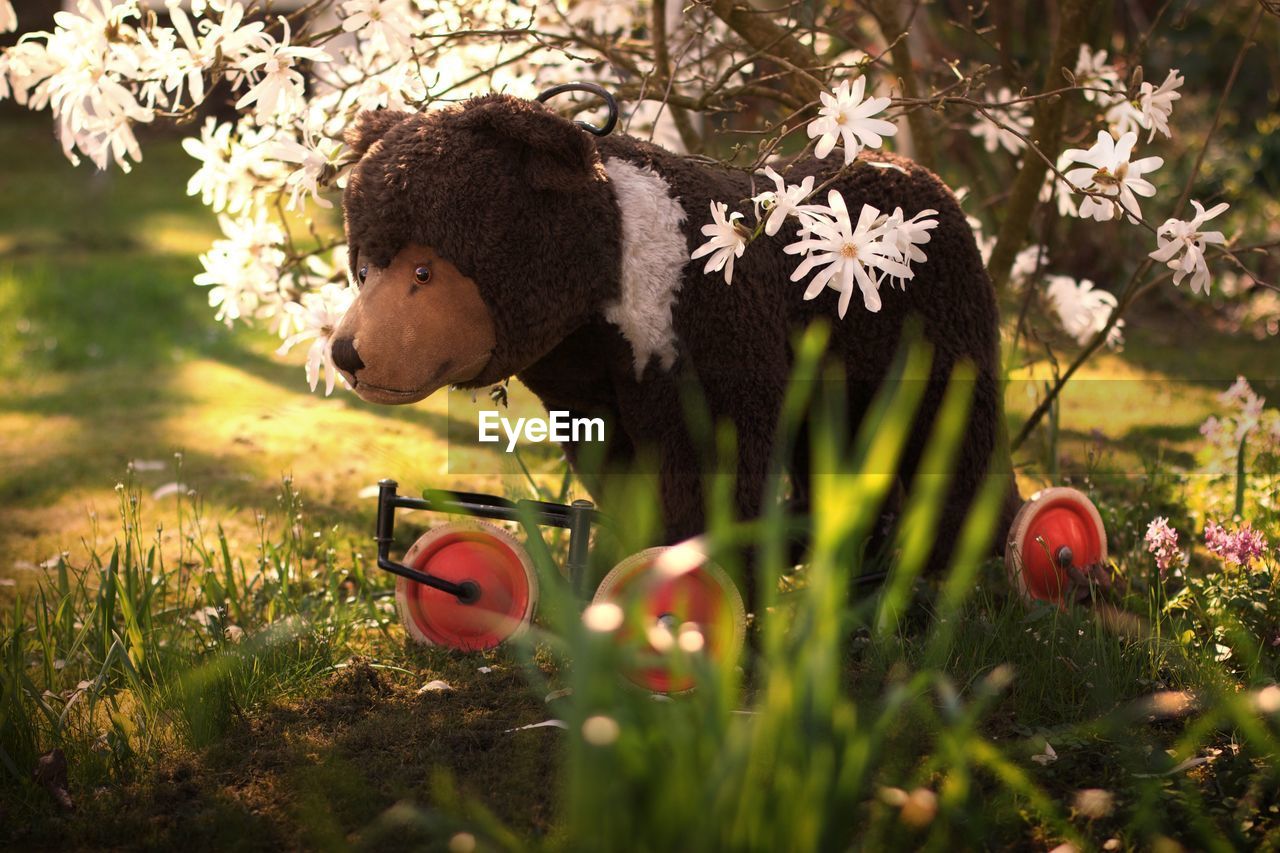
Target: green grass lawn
[[109, 355]]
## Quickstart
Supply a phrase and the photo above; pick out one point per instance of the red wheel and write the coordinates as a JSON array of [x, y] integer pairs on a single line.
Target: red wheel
[[473, 551], [1057, 538], [694, 607]]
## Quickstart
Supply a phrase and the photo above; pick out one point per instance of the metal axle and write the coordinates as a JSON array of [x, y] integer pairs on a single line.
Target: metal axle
[[577, 518]]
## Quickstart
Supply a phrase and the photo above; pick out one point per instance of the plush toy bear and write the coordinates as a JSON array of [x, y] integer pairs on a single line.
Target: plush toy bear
[[496, 238]]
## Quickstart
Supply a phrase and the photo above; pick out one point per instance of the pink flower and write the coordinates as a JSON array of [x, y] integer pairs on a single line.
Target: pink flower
[[1212, 429], [1162, 540], [1240, 547], [1240, 393], [1215, 538]]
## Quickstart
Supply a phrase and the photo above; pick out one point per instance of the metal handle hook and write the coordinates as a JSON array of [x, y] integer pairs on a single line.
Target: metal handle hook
[[594, 89]]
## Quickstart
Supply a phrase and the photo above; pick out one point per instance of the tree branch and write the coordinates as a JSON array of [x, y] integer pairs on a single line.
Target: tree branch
[[886, 15], [765, 35], [662, 61], [1047, 132]]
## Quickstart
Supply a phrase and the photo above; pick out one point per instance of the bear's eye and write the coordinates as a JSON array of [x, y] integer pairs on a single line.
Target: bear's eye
[[364, 273], [422, 274]]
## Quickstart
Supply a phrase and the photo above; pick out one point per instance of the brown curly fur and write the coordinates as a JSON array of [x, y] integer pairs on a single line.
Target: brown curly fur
[[519, 200]]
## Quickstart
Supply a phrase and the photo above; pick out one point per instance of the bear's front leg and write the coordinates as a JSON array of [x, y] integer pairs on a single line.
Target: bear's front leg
[[658, 413]]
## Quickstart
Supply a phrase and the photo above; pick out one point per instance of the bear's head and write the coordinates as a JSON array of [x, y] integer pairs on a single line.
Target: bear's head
[[480, 236]]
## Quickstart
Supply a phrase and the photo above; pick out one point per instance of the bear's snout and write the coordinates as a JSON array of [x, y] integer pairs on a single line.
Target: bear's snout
[[345, 356]]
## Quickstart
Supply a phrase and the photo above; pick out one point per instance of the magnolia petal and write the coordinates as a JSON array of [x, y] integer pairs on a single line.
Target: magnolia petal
[[1214, 211], [852, 147], [846, 296], [1142, 187], [870, 293], [1146, 164], [1165, 251], [846, 278], [704, 249], [823, 278], [859, 89]]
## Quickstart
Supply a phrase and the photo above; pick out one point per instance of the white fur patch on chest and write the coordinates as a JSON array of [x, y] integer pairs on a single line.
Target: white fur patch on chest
[[654, 252]]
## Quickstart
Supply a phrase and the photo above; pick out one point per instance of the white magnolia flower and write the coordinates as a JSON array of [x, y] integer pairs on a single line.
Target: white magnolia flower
[[315, 317], [1056, 188], [232, 169], [1123, 116], [389, 23], [846, 117], [1188, 239], [1108, 171], [242, 270], [317, 161], [27, 67], [1028, 262], [212, 149], [230, 37], [398, 87], [845, 254], [316, 272], [1157, 103], [176, 66], [79, 71], [8, 18], [205, 42], [908, 235], [782, 201], [986, 245], [1082, 310], [163, 68], [727, 241], [994, 136], [279, 91], [1094, 72]]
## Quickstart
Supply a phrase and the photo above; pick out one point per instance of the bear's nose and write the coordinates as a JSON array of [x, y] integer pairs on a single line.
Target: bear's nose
[[345, 355]]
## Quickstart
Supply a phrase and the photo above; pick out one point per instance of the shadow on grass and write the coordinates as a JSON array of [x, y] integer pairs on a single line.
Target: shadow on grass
[[1193, 351], [318, 773]]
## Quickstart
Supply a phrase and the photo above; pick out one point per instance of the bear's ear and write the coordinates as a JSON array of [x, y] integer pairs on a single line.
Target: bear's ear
[[370, 126], [557, 155]]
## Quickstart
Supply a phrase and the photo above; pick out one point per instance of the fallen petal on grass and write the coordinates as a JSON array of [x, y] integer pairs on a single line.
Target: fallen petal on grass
[[436, 686], [1047, 757], [167, 490], [545, 724]]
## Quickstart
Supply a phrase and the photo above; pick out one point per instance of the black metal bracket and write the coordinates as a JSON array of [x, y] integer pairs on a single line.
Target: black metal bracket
[[577, 518], [600, 91]]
